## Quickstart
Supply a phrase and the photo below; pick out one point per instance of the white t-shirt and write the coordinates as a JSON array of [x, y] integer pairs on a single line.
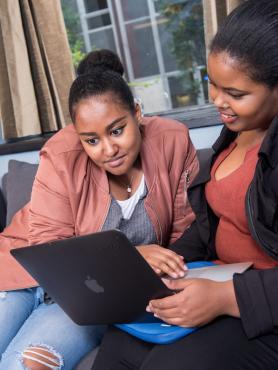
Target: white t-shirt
[[129, 204]]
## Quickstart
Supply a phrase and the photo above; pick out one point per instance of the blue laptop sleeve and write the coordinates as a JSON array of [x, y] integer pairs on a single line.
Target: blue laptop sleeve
[[151, 329]]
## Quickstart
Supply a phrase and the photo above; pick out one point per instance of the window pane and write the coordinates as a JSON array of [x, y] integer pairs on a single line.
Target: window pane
[[181, 90], [94, 5], [133, 9], [103, 40], [182, 30], [181, 33], [74, 30], [204, 77], [170, 62], [151, 93], [142, 49], [100, 21], [165, 59]]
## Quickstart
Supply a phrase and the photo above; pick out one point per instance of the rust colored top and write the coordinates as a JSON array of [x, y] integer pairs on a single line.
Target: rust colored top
[[226, 198]]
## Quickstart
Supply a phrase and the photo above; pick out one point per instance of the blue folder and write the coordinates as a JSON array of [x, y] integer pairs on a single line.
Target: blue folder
[[154, 330]]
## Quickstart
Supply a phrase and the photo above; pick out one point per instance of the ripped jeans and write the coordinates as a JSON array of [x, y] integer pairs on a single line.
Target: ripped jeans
[[27, 323]]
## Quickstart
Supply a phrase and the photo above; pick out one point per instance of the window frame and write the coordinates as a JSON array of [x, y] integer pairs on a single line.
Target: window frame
[[195, 116], [198, 116]]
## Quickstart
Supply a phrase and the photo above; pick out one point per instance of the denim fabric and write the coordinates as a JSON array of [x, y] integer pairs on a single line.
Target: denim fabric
[[26, 320]]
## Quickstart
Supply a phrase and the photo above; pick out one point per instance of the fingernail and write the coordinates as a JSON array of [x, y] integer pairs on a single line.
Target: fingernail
[[174, 275], [155, 315], [182, 274]]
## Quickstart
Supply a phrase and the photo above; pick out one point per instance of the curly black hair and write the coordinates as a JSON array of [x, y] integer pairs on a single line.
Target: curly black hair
[[250, 35], [100, 72]]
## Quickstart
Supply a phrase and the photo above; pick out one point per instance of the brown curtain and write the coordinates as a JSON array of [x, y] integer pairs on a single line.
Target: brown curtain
[[214, 12], [35, 67]]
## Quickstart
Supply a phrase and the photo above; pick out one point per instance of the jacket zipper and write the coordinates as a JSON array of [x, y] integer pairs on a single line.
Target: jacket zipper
[[160, 228], [187, 178]]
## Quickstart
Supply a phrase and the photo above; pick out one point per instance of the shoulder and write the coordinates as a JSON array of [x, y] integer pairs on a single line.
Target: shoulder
[[165, 133], [63, 152], [64, 141], [155, 125]]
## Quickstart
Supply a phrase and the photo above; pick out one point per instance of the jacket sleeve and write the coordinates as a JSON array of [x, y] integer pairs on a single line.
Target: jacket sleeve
[[12, 275], [183, 215], [198, 241], [190, 245], [256, 294], [51, 215]]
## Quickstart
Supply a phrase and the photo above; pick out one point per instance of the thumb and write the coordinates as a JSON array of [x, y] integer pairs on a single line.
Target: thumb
[[176, 284]]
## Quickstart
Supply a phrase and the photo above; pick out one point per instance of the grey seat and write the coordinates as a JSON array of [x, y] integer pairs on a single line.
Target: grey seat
[[87, 362]]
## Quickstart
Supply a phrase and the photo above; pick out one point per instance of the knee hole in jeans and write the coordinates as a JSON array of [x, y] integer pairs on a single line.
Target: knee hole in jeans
[[3, 295], [41, 357]]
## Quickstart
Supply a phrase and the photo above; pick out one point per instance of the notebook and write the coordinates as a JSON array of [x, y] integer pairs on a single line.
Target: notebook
[[96, 279]]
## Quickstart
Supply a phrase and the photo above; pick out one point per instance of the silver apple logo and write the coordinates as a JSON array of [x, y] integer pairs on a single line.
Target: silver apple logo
[[93, 285]]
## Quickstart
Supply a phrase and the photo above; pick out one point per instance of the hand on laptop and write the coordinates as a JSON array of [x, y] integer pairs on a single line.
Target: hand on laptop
[[198, 302], [162, 260]]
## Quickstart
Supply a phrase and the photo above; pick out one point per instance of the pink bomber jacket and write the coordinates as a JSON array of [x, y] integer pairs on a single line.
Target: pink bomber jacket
[[70, 195]]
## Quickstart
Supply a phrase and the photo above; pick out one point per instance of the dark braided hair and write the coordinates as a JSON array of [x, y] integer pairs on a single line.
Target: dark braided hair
[[250, 35], [99, 73]]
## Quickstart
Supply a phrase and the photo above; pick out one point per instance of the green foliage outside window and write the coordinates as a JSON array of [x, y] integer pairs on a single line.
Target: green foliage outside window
[[185, 25], [75, 38]]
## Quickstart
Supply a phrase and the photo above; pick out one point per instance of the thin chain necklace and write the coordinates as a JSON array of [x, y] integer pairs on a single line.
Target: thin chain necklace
[[127, 186]]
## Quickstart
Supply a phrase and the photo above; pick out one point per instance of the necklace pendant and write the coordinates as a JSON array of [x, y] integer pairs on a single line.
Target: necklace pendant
[[128, 189]]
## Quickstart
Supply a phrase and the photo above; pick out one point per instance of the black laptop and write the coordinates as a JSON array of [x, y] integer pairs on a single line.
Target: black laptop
[[96, 279]]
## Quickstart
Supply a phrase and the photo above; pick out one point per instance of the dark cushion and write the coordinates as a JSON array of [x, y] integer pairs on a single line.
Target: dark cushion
[[2, 211], [4, 187], [19, 183]]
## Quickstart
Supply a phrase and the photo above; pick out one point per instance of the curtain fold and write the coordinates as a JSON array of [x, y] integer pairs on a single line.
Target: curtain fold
[[214, 13], [35, 67]]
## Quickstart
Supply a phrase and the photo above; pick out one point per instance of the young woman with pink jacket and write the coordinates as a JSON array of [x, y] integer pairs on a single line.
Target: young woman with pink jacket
[[113, 168]]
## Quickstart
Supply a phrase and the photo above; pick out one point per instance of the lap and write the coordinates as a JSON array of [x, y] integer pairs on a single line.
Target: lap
[[15, 308], [119, 350], [219, 345], [49, 326]]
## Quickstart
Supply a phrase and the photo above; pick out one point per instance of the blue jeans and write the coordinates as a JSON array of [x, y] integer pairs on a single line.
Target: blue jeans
[[25, 320]]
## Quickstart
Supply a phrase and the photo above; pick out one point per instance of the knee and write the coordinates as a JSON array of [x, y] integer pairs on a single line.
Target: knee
[[41, 357]]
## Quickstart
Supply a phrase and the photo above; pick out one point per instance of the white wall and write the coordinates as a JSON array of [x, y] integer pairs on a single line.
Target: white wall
[[204, 137]]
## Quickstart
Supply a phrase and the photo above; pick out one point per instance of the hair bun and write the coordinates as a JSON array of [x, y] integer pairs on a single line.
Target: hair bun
[[103, 59]]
